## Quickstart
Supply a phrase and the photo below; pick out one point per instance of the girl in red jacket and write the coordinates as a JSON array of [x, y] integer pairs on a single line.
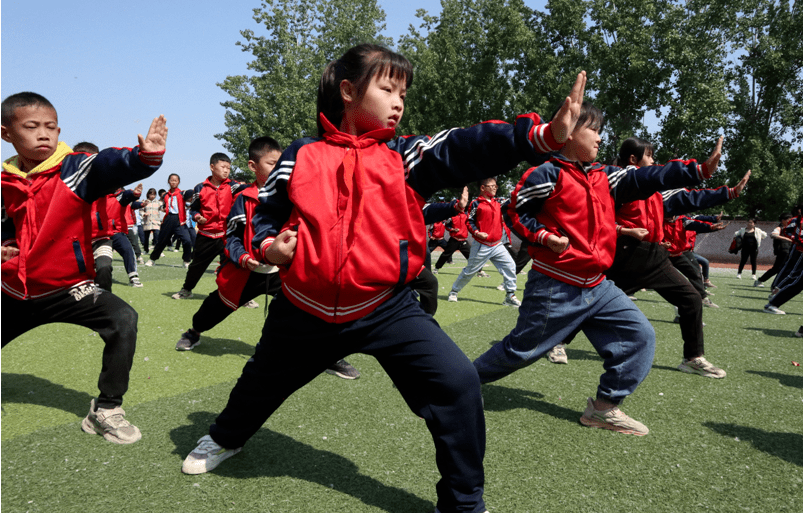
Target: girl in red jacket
[[345, 263]]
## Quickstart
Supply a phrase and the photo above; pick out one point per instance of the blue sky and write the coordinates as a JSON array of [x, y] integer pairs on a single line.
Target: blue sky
[[109, 70]]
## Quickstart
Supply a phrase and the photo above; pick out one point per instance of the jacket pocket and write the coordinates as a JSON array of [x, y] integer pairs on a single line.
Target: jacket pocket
[[79, 256], [404, 261]]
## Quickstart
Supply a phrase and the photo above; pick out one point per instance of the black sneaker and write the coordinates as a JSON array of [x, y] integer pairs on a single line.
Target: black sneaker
[[188, 341], [343, 369]]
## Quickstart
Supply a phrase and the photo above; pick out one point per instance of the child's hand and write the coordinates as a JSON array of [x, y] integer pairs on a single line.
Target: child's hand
[[557, 244], [565, 120], [710, 165], [666, 244], [463, 199], [9, 252], [251, 264], [283, 248], [718, 226], [138, 190], [201, 220], [156, 139], [742, 184], [480, 235], [638, 233]]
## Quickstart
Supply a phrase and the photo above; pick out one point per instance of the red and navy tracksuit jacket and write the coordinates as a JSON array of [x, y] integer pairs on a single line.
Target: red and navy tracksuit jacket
[[650, 213], [176, 198], [233, 274], [485, 215], [437, 232], [47, 215], [457, 227], [214, 204], [578, 201], [676, 232], [337, 191]]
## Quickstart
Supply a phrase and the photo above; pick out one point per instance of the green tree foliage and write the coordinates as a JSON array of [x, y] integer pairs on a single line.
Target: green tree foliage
[[278, 97], [701, 68], [766, 123]]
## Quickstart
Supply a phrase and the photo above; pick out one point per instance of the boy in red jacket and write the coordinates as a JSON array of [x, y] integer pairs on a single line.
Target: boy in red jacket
[[211, 203], [47, 265]]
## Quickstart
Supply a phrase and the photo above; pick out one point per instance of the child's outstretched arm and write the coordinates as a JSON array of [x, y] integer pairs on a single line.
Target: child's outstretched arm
[[93, 176]]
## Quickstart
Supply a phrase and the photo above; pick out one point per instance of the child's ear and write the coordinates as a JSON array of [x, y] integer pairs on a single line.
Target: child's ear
[[252, 166], [4, 134], [632, 160], [347, 91]]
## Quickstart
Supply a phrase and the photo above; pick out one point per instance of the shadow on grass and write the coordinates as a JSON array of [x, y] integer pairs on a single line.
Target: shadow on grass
[[785, 379], [271, 454], [772, 332], [220, 346], [499, 398], [781, 445], [28, 389], [195, 297]]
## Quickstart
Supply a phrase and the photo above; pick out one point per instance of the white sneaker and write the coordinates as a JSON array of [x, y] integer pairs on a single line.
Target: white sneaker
[[754, 277], [758, 283], [770, 309], [140, 260], [186, 265], [702, 367], [707, 302], [251, 304], [501, 287], [511, 300], [452, 297], [149, 263], [558, 354], [739, 276], [206, 456]]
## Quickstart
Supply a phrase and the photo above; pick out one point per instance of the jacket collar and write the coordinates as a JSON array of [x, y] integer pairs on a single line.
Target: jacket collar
[[335, 136], [12, 165]]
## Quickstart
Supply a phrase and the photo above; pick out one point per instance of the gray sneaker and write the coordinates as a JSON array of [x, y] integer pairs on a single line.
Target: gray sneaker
[[206, 456], [511, 300], [613, 419], [188, 341], [702, 367], [758, 283], [111, 424], [343, 369], [558, 354], [182, 294], [707, 302], [771, 309], [452, 297], [134, 282]]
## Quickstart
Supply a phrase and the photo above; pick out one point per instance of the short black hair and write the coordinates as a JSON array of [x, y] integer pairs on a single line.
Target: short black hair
[[24, 99], [86, 147], [217, 157], [785, 216], [589, 115], [262, 145], [485, 181]]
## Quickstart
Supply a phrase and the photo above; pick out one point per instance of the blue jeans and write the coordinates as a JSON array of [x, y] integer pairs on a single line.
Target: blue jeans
[[551, 311], [480, 254], [704, 263]]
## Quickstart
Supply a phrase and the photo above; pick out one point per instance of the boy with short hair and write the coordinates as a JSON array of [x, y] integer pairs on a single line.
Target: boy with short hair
[[485, 225], [243, 275], [47, 265], [565, 209], [210, 206]]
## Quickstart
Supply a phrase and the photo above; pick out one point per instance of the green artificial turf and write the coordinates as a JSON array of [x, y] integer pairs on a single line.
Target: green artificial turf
[[336, 445]]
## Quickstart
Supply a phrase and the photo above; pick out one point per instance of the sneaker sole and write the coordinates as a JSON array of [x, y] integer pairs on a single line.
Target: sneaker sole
[[610, 427], [340, 374], [705, 374], [87, 426]]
